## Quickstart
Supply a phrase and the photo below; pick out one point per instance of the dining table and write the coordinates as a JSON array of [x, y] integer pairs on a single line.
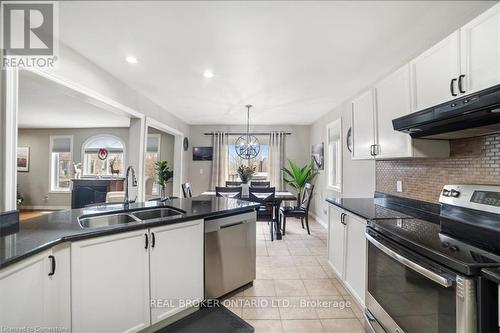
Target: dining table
[[279, 198]]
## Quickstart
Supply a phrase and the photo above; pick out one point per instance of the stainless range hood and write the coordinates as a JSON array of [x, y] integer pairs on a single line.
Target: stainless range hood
[[473, 115]]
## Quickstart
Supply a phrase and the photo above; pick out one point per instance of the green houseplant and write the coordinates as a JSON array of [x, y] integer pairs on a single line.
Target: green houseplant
[[297, 177], [163, 175]]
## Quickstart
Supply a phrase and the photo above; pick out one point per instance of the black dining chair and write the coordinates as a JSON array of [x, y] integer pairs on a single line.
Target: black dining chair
[[302, 211], [256, 183], [233, 183], [186, 190], [267, 210], [228, 191]]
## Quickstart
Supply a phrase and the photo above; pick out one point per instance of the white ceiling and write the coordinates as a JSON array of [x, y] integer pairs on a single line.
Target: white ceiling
[[294, 61], [44, 105]]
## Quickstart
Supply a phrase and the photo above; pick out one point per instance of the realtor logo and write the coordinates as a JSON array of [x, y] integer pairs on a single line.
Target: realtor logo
[[29, 33]]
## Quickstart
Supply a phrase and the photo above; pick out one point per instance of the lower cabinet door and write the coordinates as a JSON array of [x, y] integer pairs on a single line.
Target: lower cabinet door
[[23, 293], [176, 268], [336, 240], [110, 283], [355, 268]]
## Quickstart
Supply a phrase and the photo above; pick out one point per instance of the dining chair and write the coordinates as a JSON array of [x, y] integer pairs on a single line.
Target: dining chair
[[256, 183], [267, 210], [228, 191], [233, 183], [302, 211], [186, 190]]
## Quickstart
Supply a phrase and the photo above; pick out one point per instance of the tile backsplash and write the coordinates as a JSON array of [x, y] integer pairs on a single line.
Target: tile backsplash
[[471, 161]]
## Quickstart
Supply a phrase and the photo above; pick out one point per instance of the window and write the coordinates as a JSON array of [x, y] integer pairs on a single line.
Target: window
[[93, 165], [334, 158], [152, 155], [261, 163], [61, 163]]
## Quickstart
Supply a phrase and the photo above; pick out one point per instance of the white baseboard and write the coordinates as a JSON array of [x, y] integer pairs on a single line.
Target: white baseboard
[[23, 207], [320, 221]]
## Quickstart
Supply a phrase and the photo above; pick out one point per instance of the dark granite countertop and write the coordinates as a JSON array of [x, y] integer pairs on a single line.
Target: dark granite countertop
[[492, 274], [384, 206], [40, 233]]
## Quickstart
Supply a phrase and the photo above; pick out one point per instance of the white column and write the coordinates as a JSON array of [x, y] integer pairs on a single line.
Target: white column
[[8, 138]]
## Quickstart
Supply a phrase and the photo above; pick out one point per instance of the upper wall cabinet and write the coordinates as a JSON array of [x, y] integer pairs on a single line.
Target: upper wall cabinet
[[435, 73], [363, 126], [466, 61], [372, 115], [393, 100], [480, 51]]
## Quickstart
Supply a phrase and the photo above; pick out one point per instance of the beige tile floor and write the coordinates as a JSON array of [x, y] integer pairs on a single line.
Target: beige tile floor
[[295, 289]]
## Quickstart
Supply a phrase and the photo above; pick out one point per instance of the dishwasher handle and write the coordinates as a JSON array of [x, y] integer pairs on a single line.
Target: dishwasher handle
[[232, 224]]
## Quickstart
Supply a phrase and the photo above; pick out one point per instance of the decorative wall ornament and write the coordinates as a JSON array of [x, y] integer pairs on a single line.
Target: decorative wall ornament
[[102, 154], [23, 159], [318, 156], [349, 139], [247, 146]]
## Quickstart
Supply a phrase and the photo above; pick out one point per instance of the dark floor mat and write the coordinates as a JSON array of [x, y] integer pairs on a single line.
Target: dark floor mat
[[213, 319]]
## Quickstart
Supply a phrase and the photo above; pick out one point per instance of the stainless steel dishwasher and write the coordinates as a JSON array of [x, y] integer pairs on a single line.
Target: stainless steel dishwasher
[[229, 253]]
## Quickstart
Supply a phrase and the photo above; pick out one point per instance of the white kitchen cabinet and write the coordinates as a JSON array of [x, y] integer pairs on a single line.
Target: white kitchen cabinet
[[110, 283], [355, 256], [393, 100], [363, 126], [480, 51], [176, 267], [35, 293], [347, 250], [336, 240], [434, 74]]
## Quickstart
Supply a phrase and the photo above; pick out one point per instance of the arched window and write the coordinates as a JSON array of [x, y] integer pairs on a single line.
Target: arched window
[[103, 155]]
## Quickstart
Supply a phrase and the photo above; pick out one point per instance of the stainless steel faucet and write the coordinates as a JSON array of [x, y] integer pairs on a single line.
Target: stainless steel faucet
[[134, 183]]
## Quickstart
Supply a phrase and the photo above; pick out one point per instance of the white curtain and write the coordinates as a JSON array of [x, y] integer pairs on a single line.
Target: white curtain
[[276, 159], [220, 160]]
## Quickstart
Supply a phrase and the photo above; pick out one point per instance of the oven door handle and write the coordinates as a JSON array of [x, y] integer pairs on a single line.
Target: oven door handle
[[442, 280]]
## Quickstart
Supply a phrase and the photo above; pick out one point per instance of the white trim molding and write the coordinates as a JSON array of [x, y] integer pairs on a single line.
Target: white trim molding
[[178, 151], [320, 221], [8, 140]]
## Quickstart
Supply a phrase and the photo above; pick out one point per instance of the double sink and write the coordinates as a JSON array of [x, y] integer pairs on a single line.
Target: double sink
[[104, 220]]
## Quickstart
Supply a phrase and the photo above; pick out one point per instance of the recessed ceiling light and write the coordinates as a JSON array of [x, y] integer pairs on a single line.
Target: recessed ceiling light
[[131, 60], [208, 74]]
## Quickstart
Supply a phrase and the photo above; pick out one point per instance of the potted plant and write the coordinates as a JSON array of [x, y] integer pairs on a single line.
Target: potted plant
[[298, 177], [163, 175], [20, 198], [246, 173]]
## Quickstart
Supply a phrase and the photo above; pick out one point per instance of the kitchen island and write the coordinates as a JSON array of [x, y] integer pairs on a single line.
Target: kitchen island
[[54, 272]]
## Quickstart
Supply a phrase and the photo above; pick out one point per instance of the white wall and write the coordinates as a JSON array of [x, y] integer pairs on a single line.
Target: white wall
[[78, 70], [298, 148], [35, 184], [358, 176]]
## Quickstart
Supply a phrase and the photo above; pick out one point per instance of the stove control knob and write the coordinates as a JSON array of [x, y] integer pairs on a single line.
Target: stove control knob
[[446, 193], [445, 244], [454, 193], [454, 248]]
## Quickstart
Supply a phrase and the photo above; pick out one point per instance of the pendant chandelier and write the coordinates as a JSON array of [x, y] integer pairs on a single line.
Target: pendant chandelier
[[247, 146]]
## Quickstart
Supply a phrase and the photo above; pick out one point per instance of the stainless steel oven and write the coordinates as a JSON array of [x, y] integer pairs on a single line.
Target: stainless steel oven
[[407, 292]]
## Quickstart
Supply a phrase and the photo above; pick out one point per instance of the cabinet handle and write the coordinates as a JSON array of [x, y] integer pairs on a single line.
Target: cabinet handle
[[452, 87], [147, 241], [153, 239], [52, 265], [372, 150], [460, 87], [342, 218]]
